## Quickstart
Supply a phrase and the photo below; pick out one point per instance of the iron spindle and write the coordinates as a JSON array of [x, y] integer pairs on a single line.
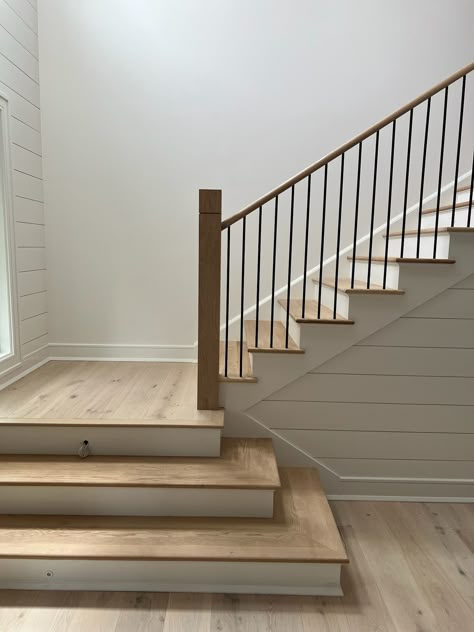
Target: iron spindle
[[308, 206], [407, 178], [338, 246], [471, 192], [292, 210], [440, 174], [458, 153], [226, 350], [372, 217], [275, 229], [422, 184], [389, 206], [323, 227], [259, 253], [242, 292], [356, 216]]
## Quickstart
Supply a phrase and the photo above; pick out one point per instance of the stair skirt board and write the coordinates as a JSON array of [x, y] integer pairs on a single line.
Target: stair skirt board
[[110, 440], [135, 501], [278, 578]]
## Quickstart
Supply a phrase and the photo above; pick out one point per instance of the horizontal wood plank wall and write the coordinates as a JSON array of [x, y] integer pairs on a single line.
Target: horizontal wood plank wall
[[19, 83], [397, 407]]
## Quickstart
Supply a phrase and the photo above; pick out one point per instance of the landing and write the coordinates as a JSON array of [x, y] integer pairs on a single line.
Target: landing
[[108, 390]]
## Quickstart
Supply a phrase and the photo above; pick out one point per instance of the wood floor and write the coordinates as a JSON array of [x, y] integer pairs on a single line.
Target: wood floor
[[411, 570]]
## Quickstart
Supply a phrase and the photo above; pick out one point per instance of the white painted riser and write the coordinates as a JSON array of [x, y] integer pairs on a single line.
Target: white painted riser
[[171, 576], [460, 219], [462, 196], [134, 501], [110, 440], [426, 246], [327, 299], [377, 273]]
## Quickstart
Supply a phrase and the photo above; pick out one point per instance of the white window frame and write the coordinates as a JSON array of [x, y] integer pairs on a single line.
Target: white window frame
[[11, 359]]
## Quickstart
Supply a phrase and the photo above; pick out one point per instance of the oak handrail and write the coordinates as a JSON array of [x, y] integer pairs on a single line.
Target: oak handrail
[[346, 146]]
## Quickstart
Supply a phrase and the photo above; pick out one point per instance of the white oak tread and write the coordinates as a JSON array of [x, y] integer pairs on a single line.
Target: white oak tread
[[311, 313], [217, 421], [431, 231], [233, 363], [365, 258], [360, 287], [464, 188], [279, 338], [445, 208], [243, 464], [302, 530]]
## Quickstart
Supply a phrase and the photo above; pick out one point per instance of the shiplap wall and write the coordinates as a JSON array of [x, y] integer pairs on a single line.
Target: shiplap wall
[[398, 406], [19, 84]]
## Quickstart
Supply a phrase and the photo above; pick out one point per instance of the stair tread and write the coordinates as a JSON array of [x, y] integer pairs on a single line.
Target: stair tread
[[279, 338], [467, 187], [445, 207], [216, 420], [344, 285], [311, 312], [402, 259], [302, 530], [243, 464], [233, 363], [431, 231]]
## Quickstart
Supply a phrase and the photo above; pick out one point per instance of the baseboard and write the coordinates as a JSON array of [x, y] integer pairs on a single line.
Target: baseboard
[[399, 499], [30, 363], [125, 352]]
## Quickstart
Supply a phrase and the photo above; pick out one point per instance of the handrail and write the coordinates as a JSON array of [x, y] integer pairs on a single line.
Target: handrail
[[346, 146]]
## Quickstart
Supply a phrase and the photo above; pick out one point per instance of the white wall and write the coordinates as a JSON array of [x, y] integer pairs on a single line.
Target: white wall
[[145, 102], [19, 85], [392, 414]]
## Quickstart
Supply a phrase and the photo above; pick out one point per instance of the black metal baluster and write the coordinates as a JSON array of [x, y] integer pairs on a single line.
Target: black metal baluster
[[458, 153], [471, 192], [407, 178], [323, 228], [338, 246], [275, 229], [372, 217], [440, 175], [290, 254], [259, 255], [389, 207], [422, 185], [308, 206], [356, 216], [226, 350], [242, 292]]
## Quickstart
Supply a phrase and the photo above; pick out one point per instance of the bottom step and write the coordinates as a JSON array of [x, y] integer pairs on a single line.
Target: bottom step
[[298, 551]]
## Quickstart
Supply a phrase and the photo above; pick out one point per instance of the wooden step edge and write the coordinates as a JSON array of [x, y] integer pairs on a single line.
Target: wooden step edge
[[362, 290], [243, 464], [378, 260], [302, 530], [250, 379], [464, 188], [339, 320], [275, 350], [432, 231], [264, 326], [215, 421], [445, 208]]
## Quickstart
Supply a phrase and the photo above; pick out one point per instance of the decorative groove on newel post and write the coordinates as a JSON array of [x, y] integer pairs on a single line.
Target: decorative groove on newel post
[[210, 217]]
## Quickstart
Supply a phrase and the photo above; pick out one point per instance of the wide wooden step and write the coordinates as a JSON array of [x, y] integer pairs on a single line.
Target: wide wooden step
[[143, 485], [299, 549], [311, 313], [233, 363], [360, 287], [278, 344], [445, 208], [365, 259], [431, 231]]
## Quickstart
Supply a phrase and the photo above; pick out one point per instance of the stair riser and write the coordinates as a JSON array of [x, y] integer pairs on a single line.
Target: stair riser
[[327, 299], [293, 326], [462, 196], [426, 246], [377, 273], [172, 576], [134, 501], [460, 218], [103, 440]]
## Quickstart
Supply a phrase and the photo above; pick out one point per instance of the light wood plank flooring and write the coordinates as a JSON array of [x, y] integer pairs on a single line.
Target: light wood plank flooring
[[108, 390], [411, 570]]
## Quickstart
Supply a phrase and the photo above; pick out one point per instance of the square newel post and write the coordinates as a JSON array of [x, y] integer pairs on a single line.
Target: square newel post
[[210, 217]]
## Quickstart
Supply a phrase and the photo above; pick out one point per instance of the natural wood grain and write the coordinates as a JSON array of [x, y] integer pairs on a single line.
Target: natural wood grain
[[311, 313], [464, 188], [279, 338], [209, 292], [431, 231], [432, 541], [233, 363], [108, 393], [446, 207], [365, 258], [302, 529], [244, 463], [360, 287]]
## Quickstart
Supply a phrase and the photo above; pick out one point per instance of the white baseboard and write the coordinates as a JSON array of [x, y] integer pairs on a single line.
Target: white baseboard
[[124, 352], [401, 499]]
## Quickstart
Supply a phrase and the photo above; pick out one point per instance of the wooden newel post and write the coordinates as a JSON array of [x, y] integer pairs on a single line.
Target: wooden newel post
[[210, 217]]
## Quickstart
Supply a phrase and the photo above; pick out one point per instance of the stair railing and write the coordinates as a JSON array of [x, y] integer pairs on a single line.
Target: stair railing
[[440, 147]]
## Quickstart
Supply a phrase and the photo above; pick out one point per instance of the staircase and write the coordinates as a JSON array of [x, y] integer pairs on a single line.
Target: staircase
[[171, 504]]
